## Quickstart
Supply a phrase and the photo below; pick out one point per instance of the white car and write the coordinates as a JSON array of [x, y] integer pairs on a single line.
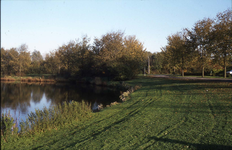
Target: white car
[[229, 72]]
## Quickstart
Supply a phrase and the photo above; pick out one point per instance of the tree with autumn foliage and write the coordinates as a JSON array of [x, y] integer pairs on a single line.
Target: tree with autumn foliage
[[75, 57], [106, 51], [201, 39], [15, 60], [24, 59], [223, 39], [132, 58], [178, 51], [52, 63], [118, 56], [84, 57], [36, 62]]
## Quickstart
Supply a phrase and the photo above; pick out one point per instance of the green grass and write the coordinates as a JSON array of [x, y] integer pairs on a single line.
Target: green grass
[[163, 114]]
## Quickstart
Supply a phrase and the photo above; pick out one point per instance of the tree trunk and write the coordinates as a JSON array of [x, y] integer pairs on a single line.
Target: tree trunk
[[182, 72], [224, 66], [203, 72], [224, 71], [203, 63], [182, 68]]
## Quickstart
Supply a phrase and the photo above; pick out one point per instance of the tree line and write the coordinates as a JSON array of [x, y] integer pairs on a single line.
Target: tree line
[[114, 55], [207, 47]]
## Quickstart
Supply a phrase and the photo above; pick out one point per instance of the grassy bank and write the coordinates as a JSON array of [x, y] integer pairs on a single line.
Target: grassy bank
[[163, 114]]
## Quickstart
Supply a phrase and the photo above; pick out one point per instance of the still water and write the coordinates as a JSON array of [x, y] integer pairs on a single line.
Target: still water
[[22, 98]]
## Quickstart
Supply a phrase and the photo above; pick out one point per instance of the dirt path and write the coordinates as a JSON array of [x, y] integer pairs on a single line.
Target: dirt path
[[192, 78]]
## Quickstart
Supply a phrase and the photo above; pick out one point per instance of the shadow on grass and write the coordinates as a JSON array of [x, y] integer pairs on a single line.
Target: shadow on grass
[[192, 145], [105, 129]]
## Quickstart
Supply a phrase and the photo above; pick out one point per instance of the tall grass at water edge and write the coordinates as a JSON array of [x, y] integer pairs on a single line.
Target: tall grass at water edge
[[45, 119], [8, 125]]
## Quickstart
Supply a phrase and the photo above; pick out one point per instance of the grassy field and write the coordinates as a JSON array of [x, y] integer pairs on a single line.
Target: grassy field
[[163, 114]]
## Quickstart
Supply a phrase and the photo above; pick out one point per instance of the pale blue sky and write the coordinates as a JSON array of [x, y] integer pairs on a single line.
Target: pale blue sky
[[46, 25]]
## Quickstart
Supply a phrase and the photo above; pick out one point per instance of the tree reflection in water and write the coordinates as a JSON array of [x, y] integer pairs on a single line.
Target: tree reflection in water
[[22, 98]]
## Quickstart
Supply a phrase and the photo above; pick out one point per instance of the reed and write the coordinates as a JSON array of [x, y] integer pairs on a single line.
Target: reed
[[45, 119], [55, 117], [9, 128]]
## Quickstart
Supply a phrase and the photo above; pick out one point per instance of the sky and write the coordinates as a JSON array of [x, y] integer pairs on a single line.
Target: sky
[[44, 25]]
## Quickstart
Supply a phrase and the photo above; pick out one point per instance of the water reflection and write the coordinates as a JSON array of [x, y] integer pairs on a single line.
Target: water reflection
[[22, 98]]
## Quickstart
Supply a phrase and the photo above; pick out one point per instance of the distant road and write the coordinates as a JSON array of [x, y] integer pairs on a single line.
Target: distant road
[[192, 78]]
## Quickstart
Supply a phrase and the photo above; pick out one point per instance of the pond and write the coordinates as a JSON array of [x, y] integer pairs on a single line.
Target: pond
[[22, 98]]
